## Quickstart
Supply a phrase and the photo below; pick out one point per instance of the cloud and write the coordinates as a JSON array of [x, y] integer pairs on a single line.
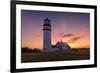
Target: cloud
[[66, 35], [37, 36], [70, 42], [72, 38], [76, 38]]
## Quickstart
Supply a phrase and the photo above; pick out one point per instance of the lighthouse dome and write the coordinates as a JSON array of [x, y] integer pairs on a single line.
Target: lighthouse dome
[[46, 19], [47, 22]]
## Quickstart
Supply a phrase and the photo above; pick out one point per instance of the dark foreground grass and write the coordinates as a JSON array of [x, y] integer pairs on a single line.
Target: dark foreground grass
[[74, 54]]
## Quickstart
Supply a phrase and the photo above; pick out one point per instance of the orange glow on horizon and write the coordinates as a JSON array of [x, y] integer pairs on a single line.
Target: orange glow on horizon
[[82, 43]]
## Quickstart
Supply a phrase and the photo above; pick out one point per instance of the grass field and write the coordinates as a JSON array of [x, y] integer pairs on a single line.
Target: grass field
[[73, 54]]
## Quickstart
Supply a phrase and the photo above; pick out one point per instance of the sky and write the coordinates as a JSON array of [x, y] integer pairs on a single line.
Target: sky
[[70, 27]]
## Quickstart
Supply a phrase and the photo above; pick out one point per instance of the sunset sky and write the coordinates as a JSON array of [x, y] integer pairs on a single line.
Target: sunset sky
[[70, 27]]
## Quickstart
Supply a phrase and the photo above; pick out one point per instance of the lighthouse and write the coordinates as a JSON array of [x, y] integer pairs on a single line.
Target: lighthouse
[[47, 35]]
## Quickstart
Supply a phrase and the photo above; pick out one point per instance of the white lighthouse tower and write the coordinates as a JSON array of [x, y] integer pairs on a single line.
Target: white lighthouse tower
[[47, 35]]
